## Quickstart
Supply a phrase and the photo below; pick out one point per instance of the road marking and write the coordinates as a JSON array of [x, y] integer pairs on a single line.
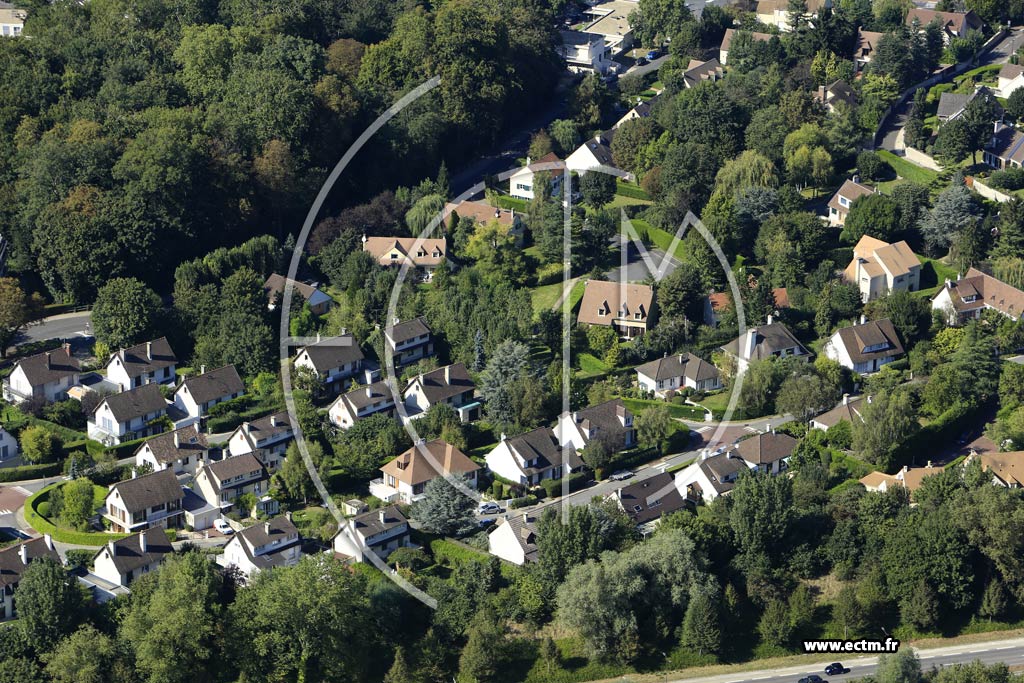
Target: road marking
[[23, 490], [5, 512]]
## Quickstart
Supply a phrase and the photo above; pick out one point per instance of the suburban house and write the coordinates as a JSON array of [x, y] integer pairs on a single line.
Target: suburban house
[[715, 475], [378, 531], [530, 458], [716, 303], [409, 341], [1007, 469], [8, 445], [319, 302], [773, 340], [122, 561], [909, 477], [584, 52], [627, 308], [130, 415], [267, 438], [879, 268], [697, 72], [1005, 149], [952, 105], [12, 20], [199, 514], [849, 409], [44, 377], [641, 110], [483, 213], [334, 360], [954, 24], [196, 395], [514, 539], [776, 12], [182, 451], [610, 422], [221, 483], [592, 154], [866, 347], [273, 543], [830, 95], [151, 362], [361, 402], [520, 183], [13, 561], [1011, 77], [610, 20], [422, 255], [840, 203], [405, 477], [864, 49], [148, 501], [730, 34], [966, 298], [647, 501], [450, 384], [676, 372]]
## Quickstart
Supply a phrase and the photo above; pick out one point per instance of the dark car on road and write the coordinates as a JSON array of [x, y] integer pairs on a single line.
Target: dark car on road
[[835, 668], [813, 678]]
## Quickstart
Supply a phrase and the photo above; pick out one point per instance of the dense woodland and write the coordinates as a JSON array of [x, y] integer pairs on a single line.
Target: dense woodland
[[157, 156]]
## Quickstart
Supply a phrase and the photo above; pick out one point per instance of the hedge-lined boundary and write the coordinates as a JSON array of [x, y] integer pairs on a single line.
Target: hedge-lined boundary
[[22, 472], [45, 526]]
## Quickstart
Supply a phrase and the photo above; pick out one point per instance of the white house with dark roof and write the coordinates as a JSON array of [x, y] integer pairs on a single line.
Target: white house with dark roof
[[773, 340], [14, 559], [333, 360], [648, 500], [265, 545], [840, 203], [183, 451], [380, 532], [360, 403], [404, 478], [520, 183], [610, 422], [44, 377], [8, 445], [1011, 77], [965, 299], [319, 302], [849, 409], [584, 52], [1005, 149], [267, 438], [150, 362], [196, 395], [514, 539], [410, 341], [592, 154], [144, 502], [220, 483], [122, 561], [864, 348], [676, 372], [530, 458], [641, 110], [450, 384], [626, 308], [878, 268], [130, 415], [715, 475]]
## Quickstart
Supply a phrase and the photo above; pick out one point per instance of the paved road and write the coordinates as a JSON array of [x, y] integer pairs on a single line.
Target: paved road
[[68, 325], [636, 269], [1010, 651], [647, 68]]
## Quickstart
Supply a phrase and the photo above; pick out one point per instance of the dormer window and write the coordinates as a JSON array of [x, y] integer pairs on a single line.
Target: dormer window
[[843, 201]]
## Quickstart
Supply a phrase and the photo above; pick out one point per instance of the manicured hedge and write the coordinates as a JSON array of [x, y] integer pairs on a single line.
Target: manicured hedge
[[45, 526], [41, 471]]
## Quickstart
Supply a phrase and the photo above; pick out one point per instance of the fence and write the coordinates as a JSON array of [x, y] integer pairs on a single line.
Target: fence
[[921, 159], [989, 192], [938, 76]]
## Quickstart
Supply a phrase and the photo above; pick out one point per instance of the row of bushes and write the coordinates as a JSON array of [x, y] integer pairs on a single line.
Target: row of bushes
[[448, 552], [936, 435], [231, 420], [41, 471], [1007, 179], [44, 526]]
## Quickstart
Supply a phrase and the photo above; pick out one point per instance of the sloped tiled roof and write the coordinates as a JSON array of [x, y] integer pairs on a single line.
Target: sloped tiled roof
[[852, 191], [129, 556], [443, 383], [11, 564], [764, 449], [768, 340], [679, 365], [189, 441], [603, 295], [215, 384], [857, 338], [148, 490], [988, 291], [650, 499], [407, 329], [413, 467], [146, 357], [333, 352], [135, 403], [49, 366]]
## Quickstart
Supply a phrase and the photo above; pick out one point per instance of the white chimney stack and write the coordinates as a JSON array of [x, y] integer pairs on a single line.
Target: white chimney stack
[[266, 528], [23, 552], [447, 374], [382, 515], [273, 420], [202, 369], [149, 350], [112, 549], [369, 392], [135, 473], [747, 352], [177, 440], [48, 540], [142, 542], [863, 319], [771, 318], [49, 364]]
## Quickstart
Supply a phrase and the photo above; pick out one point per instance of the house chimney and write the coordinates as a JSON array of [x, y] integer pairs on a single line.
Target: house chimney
[[369, 391], [112, 549], [266, 528], [364, 238], [618, 493], [23, 552], [447, 374], [49, 363], [856, 179], [149, 350], [202, 369], [863, 319], [949, 283], [177, 440], [680, 359], [135, 473], [142, 542], [48, 540], [317, 337], [846, 399], [382, 515], [869, 398], [929, 465], [526, 518], [288, 515], [497, 212], [905, 469], [67, 348], [246, 427], [503, 437], [771, 318], [747, 352]]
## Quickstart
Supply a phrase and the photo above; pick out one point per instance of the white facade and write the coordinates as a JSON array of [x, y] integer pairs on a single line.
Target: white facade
[[520, 184], [837, 351], [17, 388], [504, 542], [661, 386], [12, 21], [8, 445], [104, 427], [354, 544]]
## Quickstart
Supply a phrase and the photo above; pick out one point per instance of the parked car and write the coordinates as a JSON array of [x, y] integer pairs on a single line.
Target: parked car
[[484, 523], [835, 669], [488, 509], [653, 54], [621, 475], [641, 61], [223, 527], [813, 678]]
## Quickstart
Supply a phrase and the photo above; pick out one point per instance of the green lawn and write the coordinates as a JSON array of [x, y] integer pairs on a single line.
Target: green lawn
[[622, 200], [908, 170], [506, 202], [591, 366], [545, 297], [658, 237], [933, 275], [686, 412]]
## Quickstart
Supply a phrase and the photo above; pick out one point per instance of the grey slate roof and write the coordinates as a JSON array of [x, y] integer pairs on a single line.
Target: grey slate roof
[[438, 386], [134, 403], [11, 564], [874, 332], [279, 529], [147, 357], [542, 445], [679, 365], [334, 352], [190, 442], [129, 556], [770, 339], [764, 449], [647, 500], [148, 490], [408, 329], [233, 466], [605, 417], [370, 524], [719, 469], [49, 366], [215, 384]]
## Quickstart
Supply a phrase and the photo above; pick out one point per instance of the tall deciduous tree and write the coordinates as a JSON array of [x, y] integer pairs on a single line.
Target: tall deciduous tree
[[16, 310], [125, 313], [50, 603]]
